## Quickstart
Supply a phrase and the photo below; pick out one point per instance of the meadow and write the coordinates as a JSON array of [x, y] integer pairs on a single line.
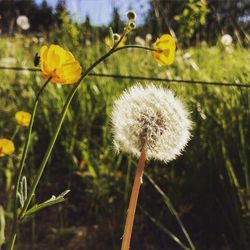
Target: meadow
[[208, 185]]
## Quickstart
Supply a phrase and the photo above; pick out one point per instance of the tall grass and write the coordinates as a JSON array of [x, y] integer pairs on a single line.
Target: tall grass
[[208, 185]]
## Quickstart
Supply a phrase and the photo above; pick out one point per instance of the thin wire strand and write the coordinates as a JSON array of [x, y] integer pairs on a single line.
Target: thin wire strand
[[157, 79]]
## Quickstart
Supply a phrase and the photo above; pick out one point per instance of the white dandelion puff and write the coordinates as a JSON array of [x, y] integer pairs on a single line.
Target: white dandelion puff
[[226, 40], [23, 22], [153, 117]]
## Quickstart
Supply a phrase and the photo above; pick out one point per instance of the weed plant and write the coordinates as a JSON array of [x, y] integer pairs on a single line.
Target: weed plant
[[208, 185]]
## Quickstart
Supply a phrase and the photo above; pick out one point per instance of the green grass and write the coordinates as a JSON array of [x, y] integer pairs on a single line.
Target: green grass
[[207, 185]]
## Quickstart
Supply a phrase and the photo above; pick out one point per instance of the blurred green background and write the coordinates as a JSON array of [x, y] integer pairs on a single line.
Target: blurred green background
[[208, 185]]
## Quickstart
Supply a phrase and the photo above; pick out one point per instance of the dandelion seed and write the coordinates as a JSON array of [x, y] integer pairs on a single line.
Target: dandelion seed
[[150, 116], [59, 64], [23, 118], [164, 52], [6, 147]]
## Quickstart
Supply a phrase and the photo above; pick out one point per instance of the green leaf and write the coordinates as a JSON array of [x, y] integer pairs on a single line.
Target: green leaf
[[8, 176], [2, 226], [91, 168], [52, 201], [22, 193], [164, 229], [111, 34], [171, 208]]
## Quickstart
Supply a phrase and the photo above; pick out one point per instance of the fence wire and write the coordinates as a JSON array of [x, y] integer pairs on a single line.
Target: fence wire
[[157, 79]]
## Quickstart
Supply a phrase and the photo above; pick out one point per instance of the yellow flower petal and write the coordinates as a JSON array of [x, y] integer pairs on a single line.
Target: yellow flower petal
[[68, 73], [43, 53], [23, 118], [6, 147], [59, 64], [164, 52], [69, 57]]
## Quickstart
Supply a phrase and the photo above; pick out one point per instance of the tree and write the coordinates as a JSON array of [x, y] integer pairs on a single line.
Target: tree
[[117, 24], [192, 17]]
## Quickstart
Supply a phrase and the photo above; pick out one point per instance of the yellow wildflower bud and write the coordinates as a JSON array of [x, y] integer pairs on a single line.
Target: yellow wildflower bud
[[23, 118], [132, 25], [6, 147], [164, 48], [131, 15], [116, 37], [59, 64]]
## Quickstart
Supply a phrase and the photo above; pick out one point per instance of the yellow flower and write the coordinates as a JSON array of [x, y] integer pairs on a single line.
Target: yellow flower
[[59, 64], [164, 52], [6, 147], [23, 118]]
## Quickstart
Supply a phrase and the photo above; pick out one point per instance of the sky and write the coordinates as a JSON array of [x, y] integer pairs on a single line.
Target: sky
[[100, 11]]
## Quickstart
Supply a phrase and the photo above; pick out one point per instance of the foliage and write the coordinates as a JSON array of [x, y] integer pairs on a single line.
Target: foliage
[[207, 185], [194, 23], [191, 18], [67, 32]]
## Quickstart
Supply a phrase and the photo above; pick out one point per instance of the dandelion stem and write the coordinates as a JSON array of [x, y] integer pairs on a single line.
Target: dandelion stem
[[133, 201], [21, 166]]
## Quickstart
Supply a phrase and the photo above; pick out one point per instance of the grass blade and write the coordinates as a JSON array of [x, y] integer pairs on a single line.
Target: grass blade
[[171, 209], [164, 229]]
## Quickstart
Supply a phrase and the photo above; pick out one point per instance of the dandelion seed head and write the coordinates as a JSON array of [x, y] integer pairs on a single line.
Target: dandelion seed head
[[150, 116], [226, 40], [23, 22]]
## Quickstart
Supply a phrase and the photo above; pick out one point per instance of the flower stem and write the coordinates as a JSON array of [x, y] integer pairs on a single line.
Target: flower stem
[[134, 47], [133, 201], [15, 132], [51, 144], [58, 127], [55, 135], [20, 169]]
